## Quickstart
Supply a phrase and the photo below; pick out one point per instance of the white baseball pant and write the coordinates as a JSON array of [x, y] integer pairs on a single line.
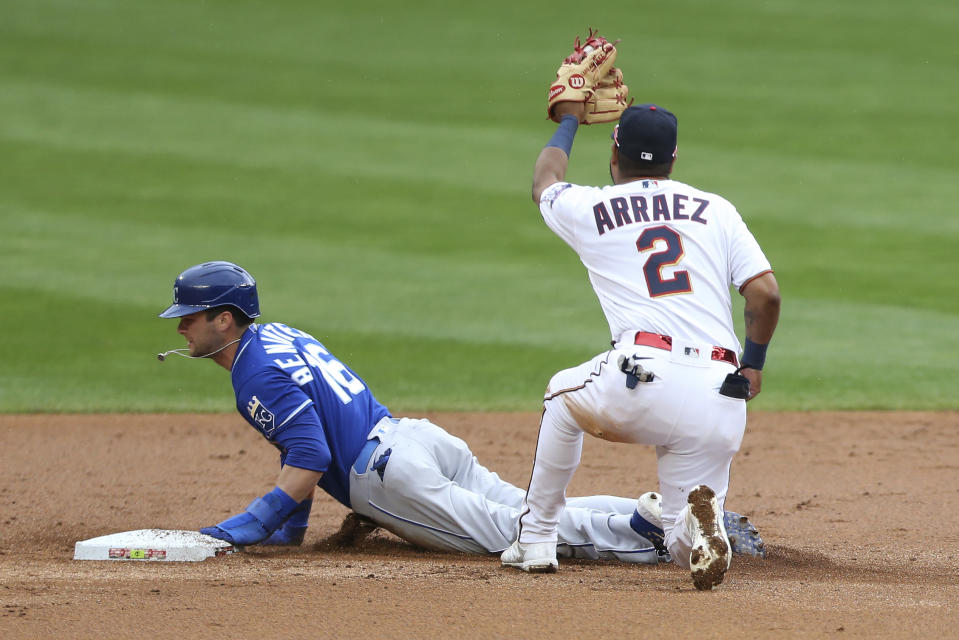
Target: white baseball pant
[[435, 494], [696, 431]]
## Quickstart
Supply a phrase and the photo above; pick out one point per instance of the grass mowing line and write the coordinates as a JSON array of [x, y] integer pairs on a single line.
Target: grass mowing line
[[257, 137], [824, 123], [114, 366], [414, 294], [856, 355]]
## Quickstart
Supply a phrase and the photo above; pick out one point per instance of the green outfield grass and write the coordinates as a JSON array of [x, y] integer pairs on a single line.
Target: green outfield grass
[[370, 164]]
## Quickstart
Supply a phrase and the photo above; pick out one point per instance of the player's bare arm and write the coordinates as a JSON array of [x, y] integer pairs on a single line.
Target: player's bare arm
[[761, 315], [298, 483], [552, 161], [550, 169]]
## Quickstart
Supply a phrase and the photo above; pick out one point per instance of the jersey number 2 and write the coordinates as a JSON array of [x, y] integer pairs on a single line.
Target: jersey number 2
[[668, 257]]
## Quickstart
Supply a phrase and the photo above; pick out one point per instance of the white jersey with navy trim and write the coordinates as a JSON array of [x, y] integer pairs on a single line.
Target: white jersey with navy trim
[[661, 256], [685, 247]]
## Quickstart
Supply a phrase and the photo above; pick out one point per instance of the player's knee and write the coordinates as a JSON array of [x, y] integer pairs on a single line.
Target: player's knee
[[559, 416]]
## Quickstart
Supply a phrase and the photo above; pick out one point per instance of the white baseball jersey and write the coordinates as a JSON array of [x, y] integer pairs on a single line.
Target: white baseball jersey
[[687, 246], [661, 256]]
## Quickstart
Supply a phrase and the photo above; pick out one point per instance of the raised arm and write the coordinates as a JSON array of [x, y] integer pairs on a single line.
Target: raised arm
[[554, 158]]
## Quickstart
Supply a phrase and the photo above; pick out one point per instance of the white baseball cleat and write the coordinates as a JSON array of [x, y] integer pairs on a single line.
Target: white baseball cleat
[[709, 560], [647, 521], [650, 506], [534, 557]]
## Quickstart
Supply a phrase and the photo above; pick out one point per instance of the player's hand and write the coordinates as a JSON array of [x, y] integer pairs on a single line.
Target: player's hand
[[755, 378], [286, 536], [294, 529], [262, 517], [577, 109], [242, 529]]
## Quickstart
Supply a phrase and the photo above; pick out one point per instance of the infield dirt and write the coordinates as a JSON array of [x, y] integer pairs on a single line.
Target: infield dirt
[[860, 512]]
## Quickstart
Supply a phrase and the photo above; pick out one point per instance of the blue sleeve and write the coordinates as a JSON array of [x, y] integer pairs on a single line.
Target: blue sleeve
[[303, 443], [269, 401]]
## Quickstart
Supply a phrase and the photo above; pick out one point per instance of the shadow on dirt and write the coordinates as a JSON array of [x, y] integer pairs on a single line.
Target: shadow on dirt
[[790, 563]]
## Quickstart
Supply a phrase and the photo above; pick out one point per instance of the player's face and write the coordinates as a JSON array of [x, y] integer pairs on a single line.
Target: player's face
[[201, 335]]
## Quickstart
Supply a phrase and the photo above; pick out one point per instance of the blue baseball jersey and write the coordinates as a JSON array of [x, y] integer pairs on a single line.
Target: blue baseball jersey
[[308, 404]]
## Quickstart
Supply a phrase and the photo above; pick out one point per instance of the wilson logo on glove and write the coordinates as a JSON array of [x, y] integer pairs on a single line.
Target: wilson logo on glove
[[588, 76]]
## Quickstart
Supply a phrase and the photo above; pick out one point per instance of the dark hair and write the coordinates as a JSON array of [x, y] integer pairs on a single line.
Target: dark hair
[[629, 167], [241, 319]]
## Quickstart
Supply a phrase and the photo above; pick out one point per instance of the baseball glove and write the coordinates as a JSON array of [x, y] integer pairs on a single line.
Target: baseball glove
[[587, 75], [609, 99]]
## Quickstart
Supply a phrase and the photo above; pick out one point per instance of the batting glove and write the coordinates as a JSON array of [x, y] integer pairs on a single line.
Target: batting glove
[[262, 517], [294, 529]]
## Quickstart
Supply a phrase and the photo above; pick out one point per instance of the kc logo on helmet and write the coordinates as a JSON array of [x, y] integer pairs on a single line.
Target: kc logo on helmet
[[577, 81]]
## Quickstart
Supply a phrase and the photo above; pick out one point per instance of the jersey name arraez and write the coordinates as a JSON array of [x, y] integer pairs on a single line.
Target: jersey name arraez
[[624, 210]]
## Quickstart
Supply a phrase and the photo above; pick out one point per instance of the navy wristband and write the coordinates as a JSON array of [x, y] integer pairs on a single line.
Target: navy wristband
[[563, 138], [754, 355]]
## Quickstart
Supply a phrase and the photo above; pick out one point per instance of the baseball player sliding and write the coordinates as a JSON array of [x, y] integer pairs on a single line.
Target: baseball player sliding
[[406, 475], [661, 256]]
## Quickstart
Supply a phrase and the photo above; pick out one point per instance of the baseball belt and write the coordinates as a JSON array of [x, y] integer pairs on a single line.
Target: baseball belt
[[659, 341], [363, 459]]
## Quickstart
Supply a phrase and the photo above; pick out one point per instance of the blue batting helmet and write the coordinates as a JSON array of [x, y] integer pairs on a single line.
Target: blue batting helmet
[[213, 284]]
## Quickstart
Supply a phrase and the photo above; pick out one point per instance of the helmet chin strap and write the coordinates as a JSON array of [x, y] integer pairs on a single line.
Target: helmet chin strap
[[184, 353]]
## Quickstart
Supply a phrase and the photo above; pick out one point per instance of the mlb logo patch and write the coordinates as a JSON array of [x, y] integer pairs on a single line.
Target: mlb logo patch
[[262, 417], [692, 352]]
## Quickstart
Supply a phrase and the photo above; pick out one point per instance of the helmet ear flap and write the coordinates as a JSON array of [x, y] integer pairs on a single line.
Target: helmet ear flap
[[213, 284]]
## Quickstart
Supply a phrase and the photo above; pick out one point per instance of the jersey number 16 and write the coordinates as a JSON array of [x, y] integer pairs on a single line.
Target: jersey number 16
[[344, 384]]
